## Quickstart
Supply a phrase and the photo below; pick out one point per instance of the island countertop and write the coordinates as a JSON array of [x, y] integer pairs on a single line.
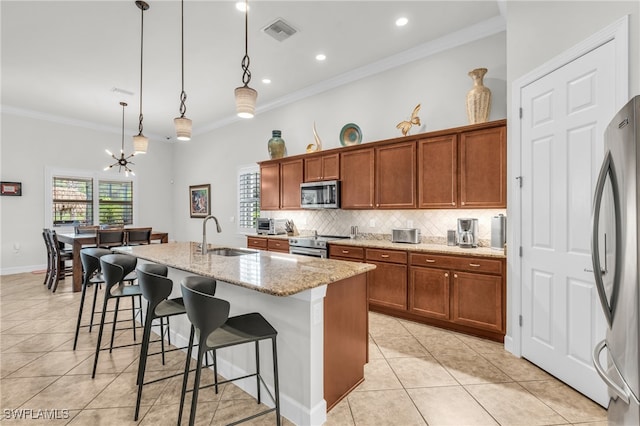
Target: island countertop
[[278, 274]]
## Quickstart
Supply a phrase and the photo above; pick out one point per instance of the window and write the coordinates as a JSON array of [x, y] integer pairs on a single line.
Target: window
[[248, 198], [115, 202], [72, 201]]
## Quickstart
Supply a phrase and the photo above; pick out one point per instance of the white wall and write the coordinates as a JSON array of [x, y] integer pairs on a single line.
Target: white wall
[[30, 145], [377, 103]]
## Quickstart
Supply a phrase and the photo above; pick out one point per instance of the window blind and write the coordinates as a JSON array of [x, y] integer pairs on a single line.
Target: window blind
[[72, 201], [115, 202], [248, 199]]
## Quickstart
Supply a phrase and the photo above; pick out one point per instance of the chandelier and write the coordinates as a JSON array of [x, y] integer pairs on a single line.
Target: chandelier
[[123, 161]]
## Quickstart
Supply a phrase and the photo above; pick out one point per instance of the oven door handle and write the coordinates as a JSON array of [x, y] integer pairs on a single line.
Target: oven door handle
[[308, 252]]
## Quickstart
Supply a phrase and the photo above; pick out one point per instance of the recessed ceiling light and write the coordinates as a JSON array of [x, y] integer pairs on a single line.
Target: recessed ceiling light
[[401, 22], [240, 5], [266, 80], [321, 57]]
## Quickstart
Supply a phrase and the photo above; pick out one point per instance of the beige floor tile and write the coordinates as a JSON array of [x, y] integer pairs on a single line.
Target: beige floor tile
[[106, 417], [451, 406], [167, 414], [422, 330], [71, 392], [8, 341], [387, 407], [421, 372], [374, 351], [52, 364], [6, 326], [567, 402], [17, 391], [231, 391], [445, 343], [378, 375], [41, 342], [511, 404], [482, 346], [171, 393], [122, 392], [382, 325], [13, 361], [108, 363], [234, 410], [340, 414], [472, 369], [519, 369], [400, 346]]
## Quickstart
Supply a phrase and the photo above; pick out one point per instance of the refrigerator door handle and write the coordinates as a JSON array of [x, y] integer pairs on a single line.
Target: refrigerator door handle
[[607, 170], [623, 394]]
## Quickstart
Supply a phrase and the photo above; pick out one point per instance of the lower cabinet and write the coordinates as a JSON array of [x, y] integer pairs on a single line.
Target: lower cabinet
[[270, 244], [477, 301], [429, 292], [388, 282]]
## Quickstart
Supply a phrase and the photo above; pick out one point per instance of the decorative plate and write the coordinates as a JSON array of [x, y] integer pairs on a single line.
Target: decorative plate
[[350, 135]]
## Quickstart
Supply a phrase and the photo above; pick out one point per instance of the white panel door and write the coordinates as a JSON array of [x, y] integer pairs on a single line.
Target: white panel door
[[564, 117]]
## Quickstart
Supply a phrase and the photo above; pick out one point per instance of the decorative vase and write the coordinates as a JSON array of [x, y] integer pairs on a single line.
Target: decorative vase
[[478, 98], [277, 148]]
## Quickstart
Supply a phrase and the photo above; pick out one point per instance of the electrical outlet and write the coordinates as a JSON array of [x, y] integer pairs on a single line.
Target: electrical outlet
[[372, 223]]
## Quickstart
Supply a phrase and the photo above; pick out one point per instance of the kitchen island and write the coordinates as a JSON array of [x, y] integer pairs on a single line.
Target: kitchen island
[[318, 306]]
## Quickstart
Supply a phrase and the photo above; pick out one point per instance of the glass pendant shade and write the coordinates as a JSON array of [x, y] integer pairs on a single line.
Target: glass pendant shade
[[183, 128], [140, 144], [245, 101]]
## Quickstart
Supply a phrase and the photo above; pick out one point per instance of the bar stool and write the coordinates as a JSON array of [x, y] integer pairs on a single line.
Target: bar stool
[[115, 267], [156, 289], [90, 258], [210, 317]]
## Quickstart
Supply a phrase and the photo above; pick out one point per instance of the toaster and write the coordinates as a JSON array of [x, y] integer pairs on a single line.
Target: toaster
[[405, 235]]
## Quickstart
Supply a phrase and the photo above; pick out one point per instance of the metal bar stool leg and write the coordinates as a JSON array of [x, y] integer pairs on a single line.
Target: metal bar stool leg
[[99, 342], [185, 377], [75, 339], [113, 326], [93, 306], [276, 386]]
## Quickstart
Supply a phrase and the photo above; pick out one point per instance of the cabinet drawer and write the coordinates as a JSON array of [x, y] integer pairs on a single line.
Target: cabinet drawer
[[346, 251], [257, 243], [278, 245], [391, 256], [473, 264]]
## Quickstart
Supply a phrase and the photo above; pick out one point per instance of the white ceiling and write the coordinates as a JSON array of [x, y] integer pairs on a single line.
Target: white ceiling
[[62, 59]]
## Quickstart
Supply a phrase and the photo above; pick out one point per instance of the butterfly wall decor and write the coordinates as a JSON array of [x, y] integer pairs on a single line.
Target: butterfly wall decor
[[404, 126]]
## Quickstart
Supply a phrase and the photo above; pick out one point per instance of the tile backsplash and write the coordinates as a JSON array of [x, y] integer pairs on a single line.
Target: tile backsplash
[[432, 223]]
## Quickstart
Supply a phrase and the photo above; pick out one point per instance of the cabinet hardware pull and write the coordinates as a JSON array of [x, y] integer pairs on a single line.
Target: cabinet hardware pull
[[453, 203], [455, 275], [446, 275], [475, 265], [430, 261], [384, 255], [462, 203], [345, 251]]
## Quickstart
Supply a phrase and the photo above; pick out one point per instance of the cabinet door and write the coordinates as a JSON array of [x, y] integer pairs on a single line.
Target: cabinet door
[[396, 176], [438, 172], [357, 171], [257, 243], [331, 167], [477, 300], [388, 285], [270, 186], [313, 169], [429, 292], [483, 168], [290, 180]]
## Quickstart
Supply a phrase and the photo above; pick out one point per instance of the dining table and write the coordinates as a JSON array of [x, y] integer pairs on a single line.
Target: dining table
[[78, 241]]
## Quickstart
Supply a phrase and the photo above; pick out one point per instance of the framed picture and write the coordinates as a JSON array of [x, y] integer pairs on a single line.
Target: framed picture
[[11, 188], [200, 200]]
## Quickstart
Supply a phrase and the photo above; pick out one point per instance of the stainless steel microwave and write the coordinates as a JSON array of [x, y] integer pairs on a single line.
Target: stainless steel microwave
[[320, 195]]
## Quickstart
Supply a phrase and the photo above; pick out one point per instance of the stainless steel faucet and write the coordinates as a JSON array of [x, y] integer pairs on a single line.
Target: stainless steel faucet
[[204, 231]]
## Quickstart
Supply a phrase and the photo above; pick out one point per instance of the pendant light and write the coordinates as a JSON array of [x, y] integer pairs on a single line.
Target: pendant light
[[245, 95], [122, 162], [140, 141], [182, 123]]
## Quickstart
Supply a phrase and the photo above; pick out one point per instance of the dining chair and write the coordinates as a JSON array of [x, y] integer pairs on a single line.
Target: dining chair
[[107, 238], [59, 259], [138, 236], [45, 237], [85, 229]]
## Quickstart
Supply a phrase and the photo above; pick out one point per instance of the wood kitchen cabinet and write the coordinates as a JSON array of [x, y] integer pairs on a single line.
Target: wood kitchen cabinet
[[438, 172], [395, 176], [483, 168], [477, 300], [357, 175], [322, 167], [280, 184], [429, 292], [270, 244], [388, 282]]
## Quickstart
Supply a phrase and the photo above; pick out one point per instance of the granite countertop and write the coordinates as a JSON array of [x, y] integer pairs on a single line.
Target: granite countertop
[[422, 247], [278, 274]]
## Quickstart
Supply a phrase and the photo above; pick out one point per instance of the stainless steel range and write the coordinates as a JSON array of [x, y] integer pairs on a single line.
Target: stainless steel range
[[315, 246]]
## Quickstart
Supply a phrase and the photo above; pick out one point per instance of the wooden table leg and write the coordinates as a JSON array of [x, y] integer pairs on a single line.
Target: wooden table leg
[[77, 266]]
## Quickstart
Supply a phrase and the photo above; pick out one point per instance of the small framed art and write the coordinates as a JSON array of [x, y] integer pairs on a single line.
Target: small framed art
[[11, 188], [200, 200]]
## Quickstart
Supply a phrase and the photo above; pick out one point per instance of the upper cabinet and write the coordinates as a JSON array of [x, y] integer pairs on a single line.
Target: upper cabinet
[[322, 167], [464, 167]]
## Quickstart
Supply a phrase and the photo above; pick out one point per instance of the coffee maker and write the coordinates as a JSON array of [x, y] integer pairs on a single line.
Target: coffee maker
[[468, 233]]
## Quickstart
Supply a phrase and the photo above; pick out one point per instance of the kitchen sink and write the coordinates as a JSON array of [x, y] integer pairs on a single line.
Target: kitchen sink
[[226, 251]]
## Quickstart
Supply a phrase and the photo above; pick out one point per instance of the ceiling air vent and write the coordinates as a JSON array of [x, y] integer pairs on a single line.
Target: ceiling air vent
[[280, 30]]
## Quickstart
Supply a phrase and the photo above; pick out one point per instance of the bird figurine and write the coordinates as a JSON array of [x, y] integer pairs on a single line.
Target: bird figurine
[[317, 146], [404, 126]]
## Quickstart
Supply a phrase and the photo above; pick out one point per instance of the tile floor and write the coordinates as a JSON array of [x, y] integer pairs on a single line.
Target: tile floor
[[417, 375]]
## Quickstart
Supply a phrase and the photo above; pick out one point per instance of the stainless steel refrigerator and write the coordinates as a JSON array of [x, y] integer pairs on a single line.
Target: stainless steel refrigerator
[[615, 256]]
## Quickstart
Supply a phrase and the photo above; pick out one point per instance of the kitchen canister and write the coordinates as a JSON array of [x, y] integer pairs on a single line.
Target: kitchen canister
[[452, 237], [498, 232]]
